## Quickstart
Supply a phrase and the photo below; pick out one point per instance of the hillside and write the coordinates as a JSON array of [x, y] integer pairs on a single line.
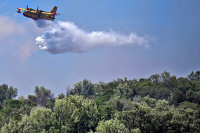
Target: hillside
[[160, 103]]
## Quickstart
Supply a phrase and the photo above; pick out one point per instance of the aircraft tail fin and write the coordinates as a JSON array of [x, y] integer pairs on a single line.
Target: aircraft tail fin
[[54, 9]]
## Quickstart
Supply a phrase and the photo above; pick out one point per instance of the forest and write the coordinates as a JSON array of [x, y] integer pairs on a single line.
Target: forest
[[161, 103]]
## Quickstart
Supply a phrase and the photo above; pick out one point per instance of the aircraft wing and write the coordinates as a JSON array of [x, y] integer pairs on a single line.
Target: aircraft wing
[[26, 10], [50, 13], [46, 13], [22, 9]]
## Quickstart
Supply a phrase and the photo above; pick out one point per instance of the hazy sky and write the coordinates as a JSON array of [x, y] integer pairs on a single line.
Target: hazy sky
[[171, 26]]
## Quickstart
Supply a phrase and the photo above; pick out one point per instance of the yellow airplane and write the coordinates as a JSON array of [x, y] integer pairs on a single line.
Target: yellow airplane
[[39, 14]]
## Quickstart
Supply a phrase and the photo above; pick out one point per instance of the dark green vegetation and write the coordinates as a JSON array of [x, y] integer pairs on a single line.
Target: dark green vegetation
[[158, 104]]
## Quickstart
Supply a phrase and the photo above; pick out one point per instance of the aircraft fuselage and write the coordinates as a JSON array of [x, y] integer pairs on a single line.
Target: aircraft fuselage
[[38, 15]]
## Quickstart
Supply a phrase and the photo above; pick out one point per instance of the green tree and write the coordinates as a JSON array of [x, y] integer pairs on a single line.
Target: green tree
[[99, 88], [124, 91], [119, 104], [7, 93], [11, 107], [37, 122], [42, 95], [111, 126], [155, 78], [75, 114], [26, 125], [32, 99], [185, 120], [160, 117], [85, 88], [61, 96], [138, 117], [11, 127], [191, 76], [150, 101], [40, 117], [168, 80], [3, 119], [183, 84]]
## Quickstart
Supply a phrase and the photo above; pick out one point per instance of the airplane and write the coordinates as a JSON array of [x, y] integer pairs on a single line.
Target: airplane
[[39, 14]]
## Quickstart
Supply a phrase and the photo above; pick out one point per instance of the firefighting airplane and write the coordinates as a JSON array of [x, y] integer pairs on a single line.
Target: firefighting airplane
[[39, 14]]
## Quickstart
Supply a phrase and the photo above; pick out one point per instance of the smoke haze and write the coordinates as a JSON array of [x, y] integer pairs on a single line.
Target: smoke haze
[[61, 37]]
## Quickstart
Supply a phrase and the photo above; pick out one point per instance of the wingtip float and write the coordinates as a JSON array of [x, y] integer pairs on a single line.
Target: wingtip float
[[39, 14]]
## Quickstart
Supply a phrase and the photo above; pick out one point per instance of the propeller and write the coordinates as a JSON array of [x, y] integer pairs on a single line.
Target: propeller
[[27, 6], [37, 7]]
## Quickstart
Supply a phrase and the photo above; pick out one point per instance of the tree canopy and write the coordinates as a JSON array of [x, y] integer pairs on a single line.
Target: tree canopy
[[161, 103]]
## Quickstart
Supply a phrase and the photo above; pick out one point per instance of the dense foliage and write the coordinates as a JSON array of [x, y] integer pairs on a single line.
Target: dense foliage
[[158, 104]]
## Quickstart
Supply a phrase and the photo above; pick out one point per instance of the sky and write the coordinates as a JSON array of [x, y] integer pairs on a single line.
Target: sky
[[171, 27]]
